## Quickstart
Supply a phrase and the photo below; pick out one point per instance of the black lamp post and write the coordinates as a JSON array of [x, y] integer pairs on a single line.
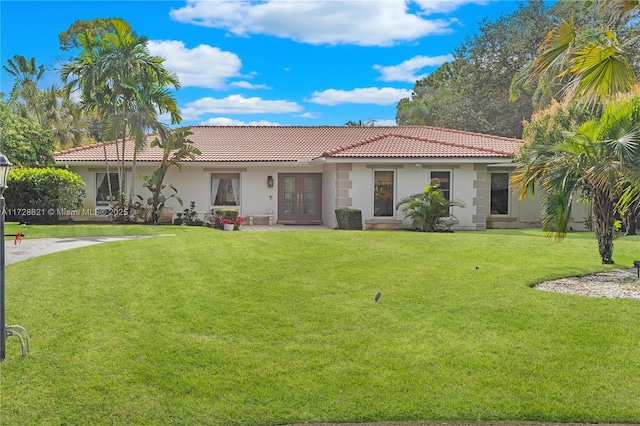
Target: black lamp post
[[4, 172]]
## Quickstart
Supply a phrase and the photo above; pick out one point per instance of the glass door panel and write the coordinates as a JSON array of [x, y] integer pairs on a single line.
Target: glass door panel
[[289, 196], [310, 207], [300, 197]]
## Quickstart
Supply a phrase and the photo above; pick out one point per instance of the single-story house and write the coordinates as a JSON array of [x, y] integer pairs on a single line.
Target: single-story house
[[301, 174]]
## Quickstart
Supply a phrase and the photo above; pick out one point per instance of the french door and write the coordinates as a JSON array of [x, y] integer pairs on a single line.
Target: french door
[[300, 197]]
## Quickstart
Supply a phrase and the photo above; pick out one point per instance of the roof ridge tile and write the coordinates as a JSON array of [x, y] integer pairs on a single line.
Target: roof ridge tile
[[352, 145], [84, 147], [459, 145]]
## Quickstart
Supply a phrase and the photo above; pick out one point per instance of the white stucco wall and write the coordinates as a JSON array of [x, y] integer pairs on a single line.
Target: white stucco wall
[[193, 183], [412, 178], [343, 185]]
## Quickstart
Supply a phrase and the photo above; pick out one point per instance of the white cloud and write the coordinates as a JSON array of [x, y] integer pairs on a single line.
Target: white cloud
[[237, 104], [224, 121], [406, 71], [445, 6], [364, 23], [370, 95], [313, 115], [247, 85], [202, 66]]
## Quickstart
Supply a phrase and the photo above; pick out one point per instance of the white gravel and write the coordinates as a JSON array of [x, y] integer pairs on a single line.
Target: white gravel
[[621, 283]]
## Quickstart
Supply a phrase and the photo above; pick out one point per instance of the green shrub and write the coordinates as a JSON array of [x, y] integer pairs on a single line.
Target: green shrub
[[231, 214], [42, 195], [189, 216], [349, 218], [427, 209]]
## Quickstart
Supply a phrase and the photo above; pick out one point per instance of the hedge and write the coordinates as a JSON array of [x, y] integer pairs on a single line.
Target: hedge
[[42, 195], [349, 218]]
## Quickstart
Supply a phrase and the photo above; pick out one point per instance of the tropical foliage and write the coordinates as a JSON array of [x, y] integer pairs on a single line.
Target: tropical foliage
[[176, 148], [125, 86], [587, 59], [598, 160], [24, 142], [51, 108], [98, 28], [427, 209]]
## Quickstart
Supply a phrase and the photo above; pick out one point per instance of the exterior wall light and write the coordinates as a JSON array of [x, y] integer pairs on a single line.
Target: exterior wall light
[[270, 181], [5, 165]]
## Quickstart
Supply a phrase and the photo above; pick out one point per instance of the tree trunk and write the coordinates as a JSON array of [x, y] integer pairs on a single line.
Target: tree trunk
[[162, 171], [631, 220], [106, 165], [604, 211], [132, 186]]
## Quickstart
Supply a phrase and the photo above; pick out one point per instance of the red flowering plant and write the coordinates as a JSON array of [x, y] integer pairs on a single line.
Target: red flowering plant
[[239, 222], [230, 217]]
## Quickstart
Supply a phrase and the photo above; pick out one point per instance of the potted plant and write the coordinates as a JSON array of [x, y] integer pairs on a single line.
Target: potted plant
[[227, 224]]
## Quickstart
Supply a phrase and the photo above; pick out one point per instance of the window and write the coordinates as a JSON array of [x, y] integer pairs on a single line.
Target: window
[[500, 193], [102, 188], [445, 182], [383, 196], [225, 189]]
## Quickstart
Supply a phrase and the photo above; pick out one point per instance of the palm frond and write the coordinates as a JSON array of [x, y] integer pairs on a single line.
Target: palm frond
[[602, 70]]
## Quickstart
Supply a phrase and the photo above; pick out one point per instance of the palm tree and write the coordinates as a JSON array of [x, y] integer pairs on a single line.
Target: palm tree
[[427, 208], [125, 84], [26, 75], [599, 161], [589, 64]]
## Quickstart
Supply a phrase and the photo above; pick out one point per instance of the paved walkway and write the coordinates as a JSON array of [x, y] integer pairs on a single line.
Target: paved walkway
[[28, 249]]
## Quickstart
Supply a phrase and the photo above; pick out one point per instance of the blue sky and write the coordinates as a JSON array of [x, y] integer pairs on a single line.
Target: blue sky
[[272, 62]]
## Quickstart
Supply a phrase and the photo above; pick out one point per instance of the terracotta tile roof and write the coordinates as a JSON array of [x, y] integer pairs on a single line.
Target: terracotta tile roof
[[291, 143]]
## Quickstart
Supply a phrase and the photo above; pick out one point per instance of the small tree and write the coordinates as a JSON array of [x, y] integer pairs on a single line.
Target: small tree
[[427, 208], [157, 201], [176, 147]]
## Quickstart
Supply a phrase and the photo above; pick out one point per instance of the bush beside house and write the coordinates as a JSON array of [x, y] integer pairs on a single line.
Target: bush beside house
[[349, 218], [42, 195]]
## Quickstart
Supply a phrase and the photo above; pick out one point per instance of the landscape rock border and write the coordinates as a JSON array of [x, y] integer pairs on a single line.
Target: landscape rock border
[[615, 284]]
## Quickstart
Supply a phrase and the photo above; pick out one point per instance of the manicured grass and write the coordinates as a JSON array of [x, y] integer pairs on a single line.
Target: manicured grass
[[263, 328]]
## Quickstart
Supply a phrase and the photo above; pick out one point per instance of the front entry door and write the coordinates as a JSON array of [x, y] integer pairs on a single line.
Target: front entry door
[[300, 197]]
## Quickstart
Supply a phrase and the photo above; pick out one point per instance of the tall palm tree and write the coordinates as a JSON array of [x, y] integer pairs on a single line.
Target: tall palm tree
[[599, 160], [119, 78]]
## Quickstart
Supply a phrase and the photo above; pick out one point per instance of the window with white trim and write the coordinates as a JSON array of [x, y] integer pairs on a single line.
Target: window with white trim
[[225, 189], [445, 182], [384, 183], [103, 196], [500, 193]]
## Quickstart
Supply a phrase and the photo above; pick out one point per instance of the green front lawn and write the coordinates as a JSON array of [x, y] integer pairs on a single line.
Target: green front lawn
[[262, 328]]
